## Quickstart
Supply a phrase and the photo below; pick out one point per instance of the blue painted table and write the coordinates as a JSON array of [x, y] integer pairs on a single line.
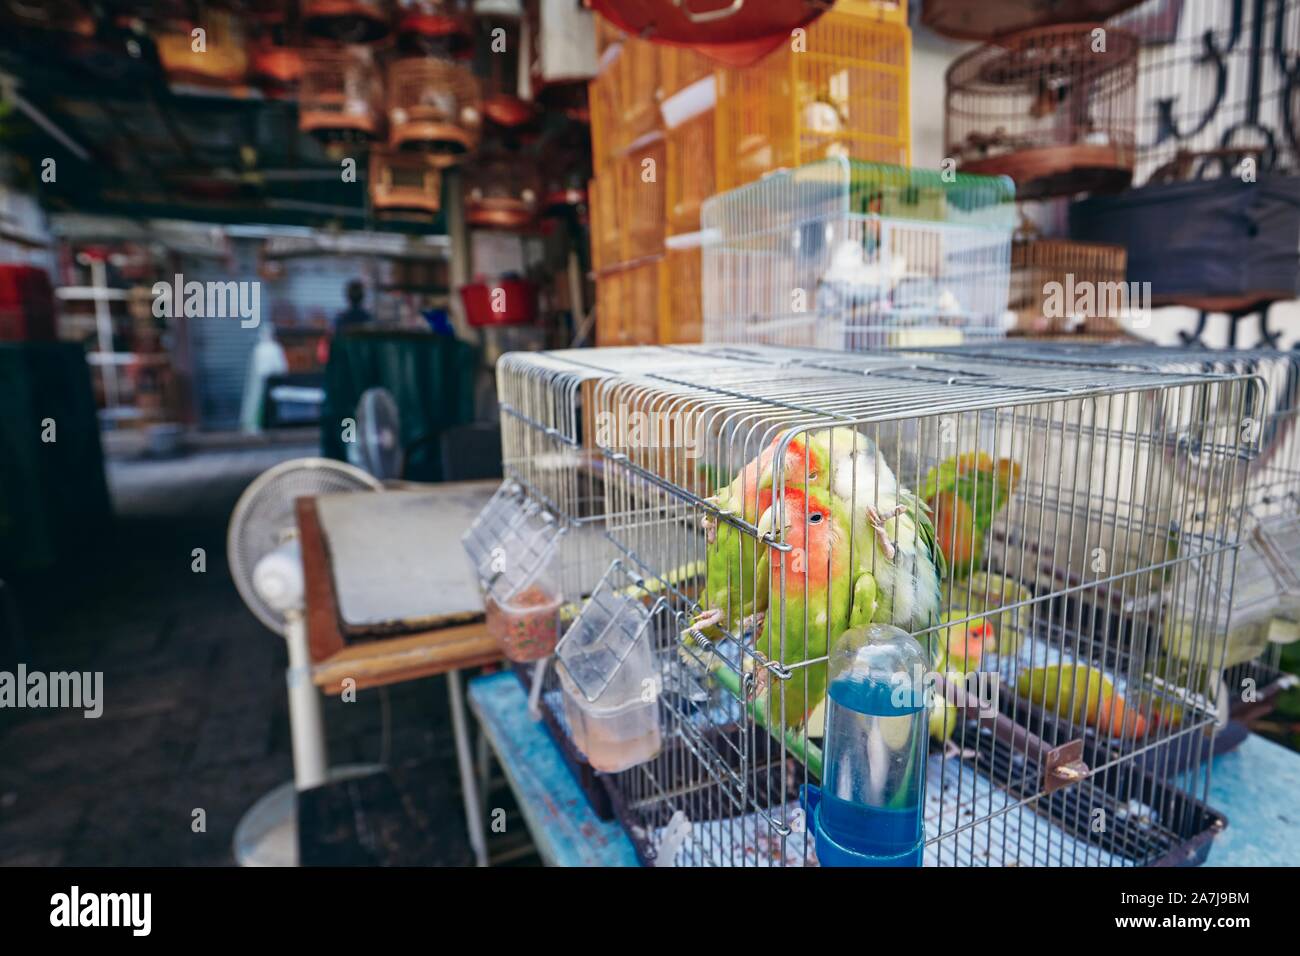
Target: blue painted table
[[1256, 786], [561, 821]]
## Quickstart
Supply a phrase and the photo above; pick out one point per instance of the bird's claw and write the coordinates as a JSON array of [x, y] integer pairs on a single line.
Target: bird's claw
[[752, 624], [710, 526], [877, 522]]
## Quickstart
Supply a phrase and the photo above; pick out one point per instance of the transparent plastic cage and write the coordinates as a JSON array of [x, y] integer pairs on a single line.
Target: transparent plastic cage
[[856, 256]]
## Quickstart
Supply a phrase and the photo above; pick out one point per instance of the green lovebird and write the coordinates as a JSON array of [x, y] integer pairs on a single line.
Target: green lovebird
[[814, 589], [892, 534], [966, 493], [735, 576]]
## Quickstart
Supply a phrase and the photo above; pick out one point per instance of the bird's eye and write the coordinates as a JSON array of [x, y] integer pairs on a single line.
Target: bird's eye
[[812, 476], [815, 518]]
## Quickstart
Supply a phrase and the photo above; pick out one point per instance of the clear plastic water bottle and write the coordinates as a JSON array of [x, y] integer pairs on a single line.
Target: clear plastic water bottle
[[868, 811]]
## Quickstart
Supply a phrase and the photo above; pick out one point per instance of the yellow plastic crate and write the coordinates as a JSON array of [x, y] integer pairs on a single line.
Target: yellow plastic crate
[[681, 306], [845, 93], [627, 303], [690, 166]]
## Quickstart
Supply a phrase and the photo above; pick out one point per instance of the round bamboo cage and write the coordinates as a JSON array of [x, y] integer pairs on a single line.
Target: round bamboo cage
[[1062, 285], [565, 171], [340, 95], [405, 185], [988, 19], [434, 106], [347, 21], [500, 193], [435, 27], [277, 69], [496, 63], [1053, 108]]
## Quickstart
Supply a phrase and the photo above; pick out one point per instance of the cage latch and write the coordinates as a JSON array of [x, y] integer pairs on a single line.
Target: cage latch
[[1063, 766]]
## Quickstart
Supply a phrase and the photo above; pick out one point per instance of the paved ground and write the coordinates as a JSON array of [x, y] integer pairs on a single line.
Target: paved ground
[[195, 713]]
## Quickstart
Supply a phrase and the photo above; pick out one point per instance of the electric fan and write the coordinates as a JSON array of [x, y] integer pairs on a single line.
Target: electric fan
[[266, 563], [378, 448]]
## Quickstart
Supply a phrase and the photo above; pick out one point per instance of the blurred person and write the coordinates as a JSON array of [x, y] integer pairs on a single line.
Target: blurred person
[[354, 315]]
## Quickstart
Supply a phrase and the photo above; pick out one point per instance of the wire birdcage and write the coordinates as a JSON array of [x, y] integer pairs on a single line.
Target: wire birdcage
[[1265, 619], [1074, 722], [405, 185], [340, 95], [1053, 108], [857, 256], [434, 106], [839, 88], [1213, 87], [1044, 274]]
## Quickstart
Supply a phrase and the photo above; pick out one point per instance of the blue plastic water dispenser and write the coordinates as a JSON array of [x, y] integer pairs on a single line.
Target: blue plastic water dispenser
[[867, 811]]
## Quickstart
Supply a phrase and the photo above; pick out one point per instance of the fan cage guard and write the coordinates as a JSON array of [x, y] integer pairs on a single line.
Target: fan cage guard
[[339, 96], [434, 106], [1044, 108], [405, 182], [347, 21], [1036, 262], [847, 95]]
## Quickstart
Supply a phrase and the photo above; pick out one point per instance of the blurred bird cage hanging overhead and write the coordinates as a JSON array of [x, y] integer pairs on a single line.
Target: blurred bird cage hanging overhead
[[346, 21], [51, 16], [1063, 285], [840, 88], [497, 51], [1265, 604], [501, 192], [340, 97], [988, 19], [1053, 108], [850, 255], [219, 60], [405, 185], [783, 515], [1215, 86], [435, 27], [434, 107]]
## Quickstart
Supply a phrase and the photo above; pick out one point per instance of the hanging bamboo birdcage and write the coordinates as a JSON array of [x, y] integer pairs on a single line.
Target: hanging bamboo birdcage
[[1063, 285], [277, 69], [1053, 108], [500, 192], [406, 185], [433, 107], [566, 169], [988, 19], [347, 21], [340, 96], [496, 62], [53, 16], [435, 27], [216, 56]]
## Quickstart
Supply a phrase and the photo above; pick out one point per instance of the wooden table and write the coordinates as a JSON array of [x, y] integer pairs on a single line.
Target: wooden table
[[390, 597]]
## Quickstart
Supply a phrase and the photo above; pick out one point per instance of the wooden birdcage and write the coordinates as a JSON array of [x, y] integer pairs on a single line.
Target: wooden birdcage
[[340, 96], [679, 67], [496, 62], [54, 16], [1063, 285], [277, 69], [639, 200], [1053, 108], [627, 303], [845, 91], [606, 238], [216, 57], [623, 97], [501, 192], [689, 171], [681, 309], [988, 19], [433, 106], [347, 21], [435, 27], [406, 185]]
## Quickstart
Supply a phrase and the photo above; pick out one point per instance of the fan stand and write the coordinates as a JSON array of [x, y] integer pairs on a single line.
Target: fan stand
[[267, 834]]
